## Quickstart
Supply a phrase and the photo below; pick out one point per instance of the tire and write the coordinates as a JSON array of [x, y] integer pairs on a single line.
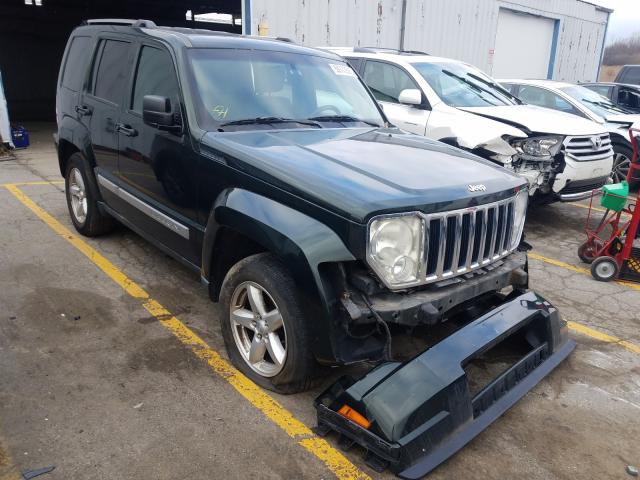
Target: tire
[[588, 251], [82, 194], [604, 269], [265, 274], [622, 155]]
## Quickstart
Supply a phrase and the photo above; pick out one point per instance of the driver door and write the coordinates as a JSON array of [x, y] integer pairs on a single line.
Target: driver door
[[386, 81]]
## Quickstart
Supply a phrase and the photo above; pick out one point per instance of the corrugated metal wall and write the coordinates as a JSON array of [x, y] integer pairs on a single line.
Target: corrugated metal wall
[[460, 29]]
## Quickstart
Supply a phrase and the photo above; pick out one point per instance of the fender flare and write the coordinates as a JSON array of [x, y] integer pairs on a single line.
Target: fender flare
[[302, 242], [71, 131]]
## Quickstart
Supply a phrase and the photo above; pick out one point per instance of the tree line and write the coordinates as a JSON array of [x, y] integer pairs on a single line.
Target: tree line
[[623, 52]]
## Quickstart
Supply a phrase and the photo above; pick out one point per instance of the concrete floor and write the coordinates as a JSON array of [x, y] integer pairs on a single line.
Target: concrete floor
[[92, 384]]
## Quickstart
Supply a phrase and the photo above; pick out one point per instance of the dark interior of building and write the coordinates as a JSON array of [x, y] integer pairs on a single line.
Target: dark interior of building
[[33, 35]]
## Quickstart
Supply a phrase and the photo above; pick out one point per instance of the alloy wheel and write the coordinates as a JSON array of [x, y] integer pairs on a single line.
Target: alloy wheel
[[78, 195], [621, 165], [258, 329]]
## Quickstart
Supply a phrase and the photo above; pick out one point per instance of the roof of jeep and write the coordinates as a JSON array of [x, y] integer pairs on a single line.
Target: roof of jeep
[[198, 38]]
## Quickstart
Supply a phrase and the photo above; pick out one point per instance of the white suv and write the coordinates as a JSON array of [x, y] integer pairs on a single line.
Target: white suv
[[563, 157]]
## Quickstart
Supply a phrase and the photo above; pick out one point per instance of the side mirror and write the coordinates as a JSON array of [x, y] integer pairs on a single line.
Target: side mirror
[[410, 96], [157, 112]]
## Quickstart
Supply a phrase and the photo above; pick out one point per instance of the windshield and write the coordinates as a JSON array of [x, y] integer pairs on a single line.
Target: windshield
[[459, 85], [594, 101], [253, 89]]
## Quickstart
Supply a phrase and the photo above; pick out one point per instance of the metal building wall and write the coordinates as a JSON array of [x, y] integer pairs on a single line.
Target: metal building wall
[[461, 29]]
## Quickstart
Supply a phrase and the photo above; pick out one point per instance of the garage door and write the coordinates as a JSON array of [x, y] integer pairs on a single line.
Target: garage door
[[523, 45]]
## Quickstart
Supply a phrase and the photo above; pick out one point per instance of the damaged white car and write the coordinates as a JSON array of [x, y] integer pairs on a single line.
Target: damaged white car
[[563, 157]]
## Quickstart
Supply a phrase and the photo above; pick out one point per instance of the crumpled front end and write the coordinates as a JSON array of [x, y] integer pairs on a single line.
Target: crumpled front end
[[412, 416]]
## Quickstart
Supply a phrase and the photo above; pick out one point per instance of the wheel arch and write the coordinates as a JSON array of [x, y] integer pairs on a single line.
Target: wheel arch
[[252, 223], [73, 137]]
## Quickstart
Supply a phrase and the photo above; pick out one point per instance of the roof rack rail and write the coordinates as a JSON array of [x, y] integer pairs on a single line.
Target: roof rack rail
[[388, 50], [120, 21]]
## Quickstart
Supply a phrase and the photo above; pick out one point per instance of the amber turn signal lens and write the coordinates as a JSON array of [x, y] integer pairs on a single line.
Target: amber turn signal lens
[[354, 416]]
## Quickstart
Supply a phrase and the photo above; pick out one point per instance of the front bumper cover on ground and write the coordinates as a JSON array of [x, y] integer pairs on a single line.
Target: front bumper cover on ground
[[422, 411]]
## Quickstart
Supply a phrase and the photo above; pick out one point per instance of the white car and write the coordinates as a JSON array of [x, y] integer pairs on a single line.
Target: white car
[[584, 102], [563, 157]]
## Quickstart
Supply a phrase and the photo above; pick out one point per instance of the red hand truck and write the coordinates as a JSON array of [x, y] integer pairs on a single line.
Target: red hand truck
[[614, 255]]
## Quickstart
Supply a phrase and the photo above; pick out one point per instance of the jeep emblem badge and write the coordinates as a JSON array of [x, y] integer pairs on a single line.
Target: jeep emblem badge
[[477, 188]]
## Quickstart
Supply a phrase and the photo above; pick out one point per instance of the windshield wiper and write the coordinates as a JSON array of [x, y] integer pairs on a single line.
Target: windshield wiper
[[475, 87], [269, 120], [607, 106], [342, 119]]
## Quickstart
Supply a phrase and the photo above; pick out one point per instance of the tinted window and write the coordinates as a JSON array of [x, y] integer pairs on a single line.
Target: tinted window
[[545, 98], [111, 74], [386, 81], [596, 103], [628, 97], [631, 75], [155, 76], [355, 63], [74, 69]]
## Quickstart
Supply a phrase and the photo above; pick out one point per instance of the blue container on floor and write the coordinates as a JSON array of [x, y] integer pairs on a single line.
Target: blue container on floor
[[20, 137]]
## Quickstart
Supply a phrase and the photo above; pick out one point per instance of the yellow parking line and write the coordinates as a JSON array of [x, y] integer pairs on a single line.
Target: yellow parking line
[[603, 337], [332, 458], [21, 184], [595, 209], [573, 268]]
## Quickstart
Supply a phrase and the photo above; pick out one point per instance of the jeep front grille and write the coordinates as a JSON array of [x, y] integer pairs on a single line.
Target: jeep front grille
[[588, 148], [460, 241]]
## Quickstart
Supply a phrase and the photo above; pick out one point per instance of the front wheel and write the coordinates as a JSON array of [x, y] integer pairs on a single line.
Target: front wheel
[[604, 269], [265, 330], [622, 155]]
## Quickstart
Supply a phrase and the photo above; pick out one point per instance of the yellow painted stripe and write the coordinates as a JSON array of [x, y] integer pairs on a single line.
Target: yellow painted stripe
[[332, 458], [21, 184], [573, 268], [603, 337], [596, 209]]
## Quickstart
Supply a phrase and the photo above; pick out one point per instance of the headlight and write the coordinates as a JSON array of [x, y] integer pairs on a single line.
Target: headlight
[[394, 248], [519, 215], [538, 148]]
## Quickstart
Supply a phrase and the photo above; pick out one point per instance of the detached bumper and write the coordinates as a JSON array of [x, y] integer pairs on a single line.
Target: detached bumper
[[422, 411]]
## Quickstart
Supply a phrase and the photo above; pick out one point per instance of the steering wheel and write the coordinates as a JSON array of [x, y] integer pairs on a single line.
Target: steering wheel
[[326, 108]]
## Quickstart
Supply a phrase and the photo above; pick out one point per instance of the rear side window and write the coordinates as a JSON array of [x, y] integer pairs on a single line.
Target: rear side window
[[74, 68], [631, 75], [110, 76], [155, 75]]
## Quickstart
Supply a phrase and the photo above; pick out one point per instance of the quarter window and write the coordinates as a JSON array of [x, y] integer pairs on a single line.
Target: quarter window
[[155, 75], [386, 81], [111, 73], [74, 69]]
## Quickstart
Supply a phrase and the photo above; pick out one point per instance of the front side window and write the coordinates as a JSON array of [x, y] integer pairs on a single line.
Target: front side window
[[460, 85], [595, 102], [155, 75], [629, 98], [545, 98], [386, 81], [111, 72], [74, 69], [236, 85]]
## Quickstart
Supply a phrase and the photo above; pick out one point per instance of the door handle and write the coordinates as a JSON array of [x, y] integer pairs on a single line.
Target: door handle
[[83, 110], [126, 130]]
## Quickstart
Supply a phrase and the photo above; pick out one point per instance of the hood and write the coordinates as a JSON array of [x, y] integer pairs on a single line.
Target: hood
[[536, 119], [361, 172]]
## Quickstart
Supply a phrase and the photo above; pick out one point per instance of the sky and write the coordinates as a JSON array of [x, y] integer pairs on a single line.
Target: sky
[[624, 21]]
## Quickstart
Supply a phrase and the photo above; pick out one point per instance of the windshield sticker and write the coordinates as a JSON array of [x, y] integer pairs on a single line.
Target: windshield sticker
[[342, 70], [220, 111]]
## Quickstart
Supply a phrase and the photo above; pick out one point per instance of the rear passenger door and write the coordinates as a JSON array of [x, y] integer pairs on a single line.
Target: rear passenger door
[[386, 81], [101, 104]]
